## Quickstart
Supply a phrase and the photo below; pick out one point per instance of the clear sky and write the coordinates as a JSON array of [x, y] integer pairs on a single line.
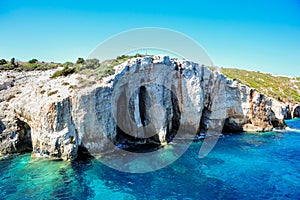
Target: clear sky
[[257, 35]]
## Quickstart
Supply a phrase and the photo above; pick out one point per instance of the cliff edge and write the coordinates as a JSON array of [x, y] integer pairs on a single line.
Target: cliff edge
[[54, 117]]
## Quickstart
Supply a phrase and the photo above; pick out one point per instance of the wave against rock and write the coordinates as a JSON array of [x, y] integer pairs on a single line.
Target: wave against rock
[[147, 101]]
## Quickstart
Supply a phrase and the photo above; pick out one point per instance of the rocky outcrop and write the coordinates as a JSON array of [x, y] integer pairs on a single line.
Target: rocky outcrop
[[36, 121], [147, 101], [243, 108]]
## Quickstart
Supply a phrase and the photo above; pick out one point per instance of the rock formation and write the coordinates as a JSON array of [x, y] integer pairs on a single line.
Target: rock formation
[[54, 117], [296, 111]]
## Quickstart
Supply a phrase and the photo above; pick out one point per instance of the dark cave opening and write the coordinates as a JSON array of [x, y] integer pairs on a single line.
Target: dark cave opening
[[24, 143], [230, 126], [172, 131], [150, 141], [129, 141], [296, 112]]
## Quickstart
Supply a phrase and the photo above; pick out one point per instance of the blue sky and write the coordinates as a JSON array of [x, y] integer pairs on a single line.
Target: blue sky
[[256, 35]]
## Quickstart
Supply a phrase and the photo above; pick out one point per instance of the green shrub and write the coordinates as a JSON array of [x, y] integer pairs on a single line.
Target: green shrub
[[3, 62], [65, 83], [12, 61], [107, 71], [47, 66], [7, 66], [29, 66], [68, 64], [64, 72], [121, 57], [52, 92], [80, 61], [72, 87], [32, 61]]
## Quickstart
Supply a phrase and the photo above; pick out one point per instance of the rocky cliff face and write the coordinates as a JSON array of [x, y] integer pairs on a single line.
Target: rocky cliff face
[[147, 101]]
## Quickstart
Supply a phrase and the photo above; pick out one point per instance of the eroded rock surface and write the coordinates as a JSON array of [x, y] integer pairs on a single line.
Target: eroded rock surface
[[146, 101]]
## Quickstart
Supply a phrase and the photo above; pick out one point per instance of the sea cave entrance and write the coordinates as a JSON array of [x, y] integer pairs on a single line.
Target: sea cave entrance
[[24, 143], [140, 105], [296, 112]]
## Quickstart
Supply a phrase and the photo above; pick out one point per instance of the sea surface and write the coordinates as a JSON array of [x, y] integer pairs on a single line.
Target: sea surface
[[241, 166]]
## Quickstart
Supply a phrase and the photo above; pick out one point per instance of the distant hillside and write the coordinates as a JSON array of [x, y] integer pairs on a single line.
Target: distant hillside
[[285, 89]]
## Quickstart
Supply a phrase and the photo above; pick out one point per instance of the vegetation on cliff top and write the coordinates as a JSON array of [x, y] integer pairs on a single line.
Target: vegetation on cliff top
[[31, 65], [282, 88], [92, 68]]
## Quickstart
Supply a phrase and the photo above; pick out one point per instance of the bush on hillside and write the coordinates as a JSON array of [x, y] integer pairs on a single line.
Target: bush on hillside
[[12, 61], [64, 72], [3, 62], [80, 61], [32, 61]]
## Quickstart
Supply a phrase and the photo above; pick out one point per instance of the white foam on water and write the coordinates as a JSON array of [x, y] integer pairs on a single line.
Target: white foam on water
[[293, 129]]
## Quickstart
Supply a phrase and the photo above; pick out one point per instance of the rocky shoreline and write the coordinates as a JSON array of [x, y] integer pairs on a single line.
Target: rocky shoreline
[[56, 117]]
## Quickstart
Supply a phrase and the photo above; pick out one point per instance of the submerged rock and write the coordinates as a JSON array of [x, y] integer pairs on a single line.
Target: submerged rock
[[147, 101]]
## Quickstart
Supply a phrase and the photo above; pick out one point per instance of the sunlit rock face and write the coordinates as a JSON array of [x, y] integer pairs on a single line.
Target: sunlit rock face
[[147, 101], [93, 118], [52, 129], [36, 116]]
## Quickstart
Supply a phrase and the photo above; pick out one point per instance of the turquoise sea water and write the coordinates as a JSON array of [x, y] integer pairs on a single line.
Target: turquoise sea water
[[242, 166]]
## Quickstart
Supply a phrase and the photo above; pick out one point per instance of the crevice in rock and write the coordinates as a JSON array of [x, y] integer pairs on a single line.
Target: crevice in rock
[[73, 140], [175, 123], [203, 121], [121, 114], [2, 127], [251, 95], [24, 143], [208, 99], [144, 105]]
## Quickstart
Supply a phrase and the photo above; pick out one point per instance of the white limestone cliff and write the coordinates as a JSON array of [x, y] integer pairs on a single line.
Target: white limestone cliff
[[54, 117]]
